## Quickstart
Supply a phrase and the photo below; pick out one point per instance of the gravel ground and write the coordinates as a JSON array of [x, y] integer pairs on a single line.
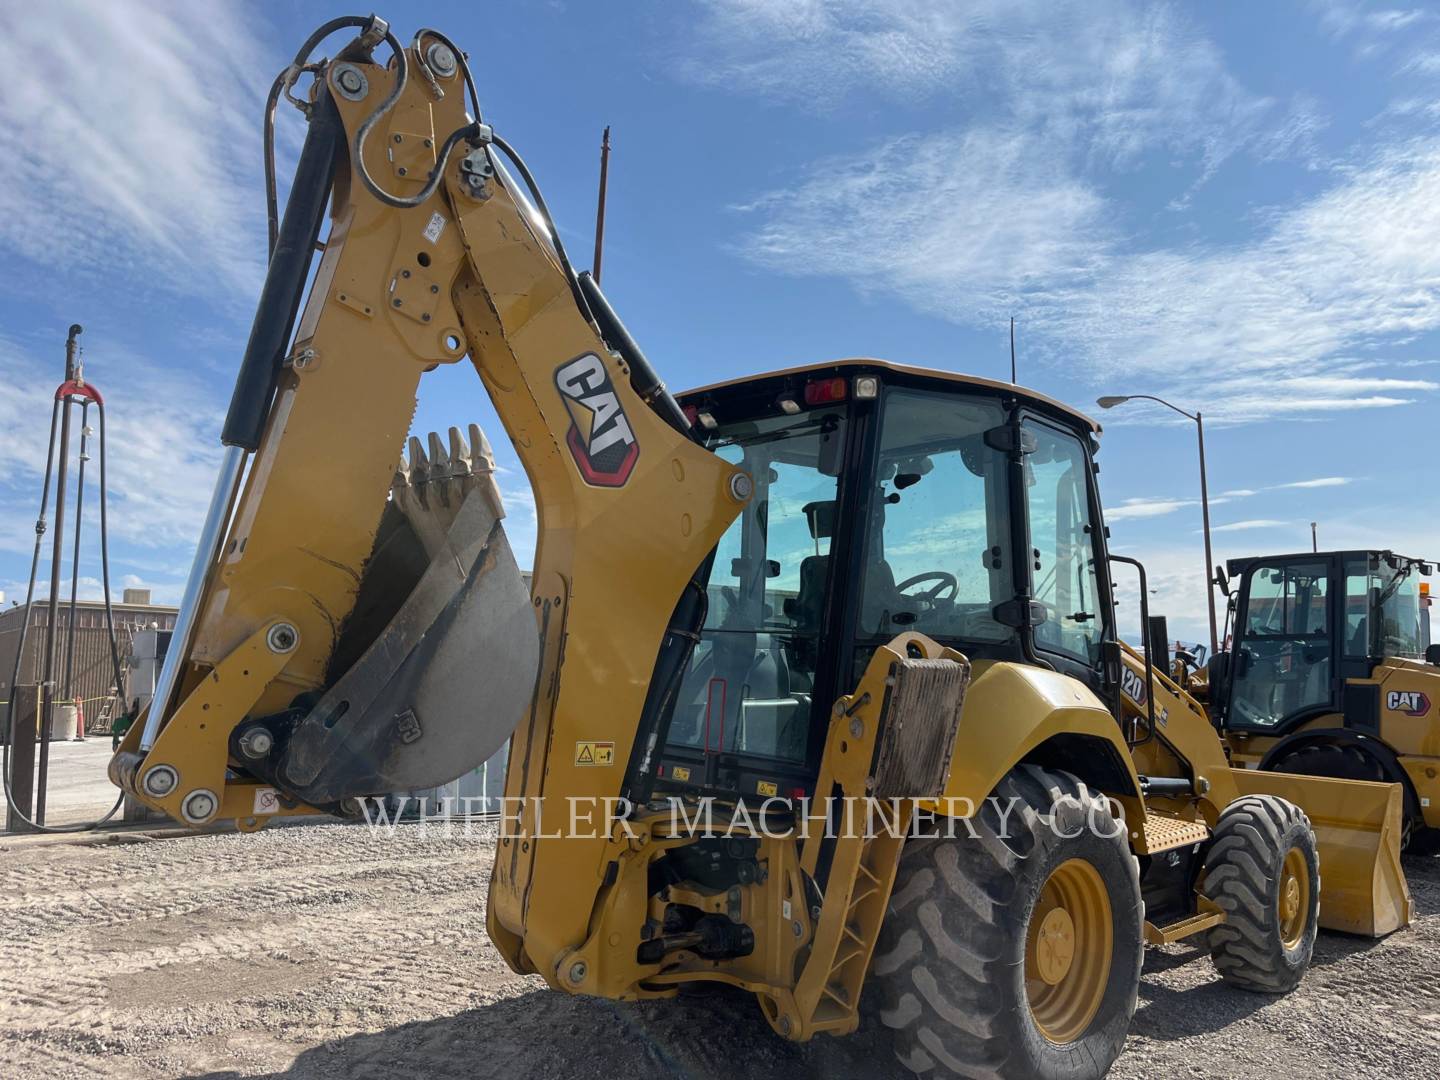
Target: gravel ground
[[328, 951]]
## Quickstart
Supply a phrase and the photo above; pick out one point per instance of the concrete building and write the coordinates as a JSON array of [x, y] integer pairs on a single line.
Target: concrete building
[[94, 678]]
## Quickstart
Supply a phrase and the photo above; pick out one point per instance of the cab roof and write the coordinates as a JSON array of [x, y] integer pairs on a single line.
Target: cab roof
[[909, 370], [1239, 565]]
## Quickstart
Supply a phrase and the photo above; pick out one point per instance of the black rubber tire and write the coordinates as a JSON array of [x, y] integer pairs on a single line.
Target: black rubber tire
[[1353, 763], [1242, 875], [950, 962]]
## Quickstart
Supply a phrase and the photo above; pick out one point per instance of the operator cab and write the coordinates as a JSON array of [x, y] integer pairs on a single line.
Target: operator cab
[[886, 499], [1305, 624]]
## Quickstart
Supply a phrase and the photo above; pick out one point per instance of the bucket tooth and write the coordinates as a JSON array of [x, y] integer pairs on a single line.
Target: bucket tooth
[[431, 485], [459, 453]]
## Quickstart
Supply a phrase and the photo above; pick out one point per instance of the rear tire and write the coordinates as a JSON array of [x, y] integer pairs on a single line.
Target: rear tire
[[1352, 763], [1262, 869], [993, 940]]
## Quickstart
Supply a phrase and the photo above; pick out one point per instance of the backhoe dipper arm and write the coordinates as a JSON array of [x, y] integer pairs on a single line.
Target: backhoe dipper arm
[[319, 660]]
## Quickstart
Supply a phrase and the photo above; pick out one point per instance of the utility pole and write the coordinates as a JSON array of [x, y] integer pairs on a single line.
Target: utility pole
[[600, 207]]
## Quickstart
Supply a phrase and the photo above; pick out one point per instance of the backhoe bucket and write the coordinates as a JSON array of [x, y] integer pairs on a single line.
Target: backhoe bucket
[[1358, 826], [439, 689]]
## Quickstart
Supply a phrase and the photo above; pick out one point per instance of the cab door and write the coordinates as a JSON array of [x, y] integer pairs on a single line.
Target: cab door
[[1069, 579], [1286, 653]]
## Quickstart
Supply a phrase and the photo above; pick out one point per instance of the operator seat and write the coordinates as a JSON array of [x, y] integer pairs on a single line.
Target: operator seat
[[880, 600], [806, 610]]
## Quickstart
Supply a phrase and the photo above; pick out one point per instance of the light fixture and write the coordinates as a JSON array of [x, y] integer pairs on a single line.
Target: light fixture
[[866, 387], [825, 391]]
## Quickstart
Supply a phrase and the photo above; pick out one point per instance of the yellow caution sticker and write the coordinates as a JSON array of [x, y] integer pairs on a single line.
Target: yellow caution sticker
[[594, 753], [766, 788], [679, 772]]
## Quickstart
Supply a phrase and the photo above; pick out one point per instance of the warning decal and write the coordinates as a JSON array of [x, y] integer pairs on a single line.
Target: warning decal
[[766, 787], [594, 753]]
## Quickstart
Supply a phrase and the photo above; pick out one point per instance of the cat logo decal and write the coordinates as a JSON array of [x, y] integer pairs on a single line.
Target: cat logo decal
[[599, 438]]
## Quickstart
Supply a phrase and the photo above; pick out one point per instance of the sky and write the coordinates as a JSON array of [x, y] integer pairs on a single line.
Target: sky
[[1233, 207]]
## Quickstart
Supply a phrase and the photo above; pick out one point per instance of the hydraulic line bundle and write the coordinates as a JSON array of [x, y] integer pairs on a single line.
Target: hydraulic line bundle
[[73, 392]]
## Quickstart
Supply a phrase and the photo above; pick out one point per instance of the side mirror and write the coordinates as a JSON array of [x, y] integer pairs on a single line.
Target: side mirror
[[1432, 655], [1112, 662], [1218, 671], [1222, 580]]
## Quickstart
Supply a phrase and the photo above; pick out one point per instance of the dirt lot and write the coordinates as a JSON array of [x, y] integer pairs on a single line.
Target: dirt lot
[[331, 951]]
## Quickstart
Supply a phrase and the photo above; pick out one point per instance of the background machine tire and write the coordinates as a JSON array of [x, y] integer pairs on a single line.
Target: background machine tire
[[1262, 869], [1353, 763], [1029, 926]]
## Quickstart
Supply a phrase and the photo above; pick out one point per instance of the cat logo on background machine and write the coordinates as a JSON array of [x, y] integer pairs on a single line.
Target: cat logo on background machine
[[600, 438], [1409, 702]]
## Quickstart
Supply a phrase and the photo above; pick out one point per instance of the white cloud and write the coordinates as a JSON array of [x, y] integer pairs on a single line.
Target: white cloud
[[1243, 526], [132, 141], [1345, 17], [1246, 327], [1008, 212], [1318, 482], [1131, 509], [1110, 76], [1425, 63], [955, 223], [162, 449]]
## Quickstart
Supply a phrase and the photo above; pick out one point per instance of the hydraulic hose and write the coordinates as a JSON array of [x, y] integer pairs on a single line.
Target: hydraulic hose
[[549, 220], [282, 81]]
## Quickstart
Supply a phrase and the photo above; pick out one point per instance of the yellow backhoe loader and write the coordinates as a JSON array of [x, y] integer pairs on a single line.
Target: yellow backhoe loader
[[1332, 672], [817, 682]]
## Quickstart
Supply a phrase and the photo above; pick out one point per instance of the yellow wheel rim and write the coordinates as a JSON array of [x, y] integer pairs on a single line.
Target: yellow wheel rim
[[1293, 902], [1068, 947]]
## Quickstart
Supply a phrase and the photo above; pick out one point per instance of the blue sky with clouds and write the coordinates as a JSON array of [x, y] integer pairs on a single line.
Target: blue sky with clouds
[[1236, 207]]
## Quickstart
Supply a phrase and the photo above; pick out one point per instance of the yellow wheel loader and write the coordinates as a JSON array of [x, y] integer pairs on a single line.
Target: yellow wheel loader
[[816, 684], [1332, 672]]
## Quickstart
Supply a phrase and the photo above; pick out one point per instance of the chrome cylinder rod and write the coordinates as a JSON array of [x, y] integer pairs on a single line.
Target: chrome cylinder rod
[[212, 533]]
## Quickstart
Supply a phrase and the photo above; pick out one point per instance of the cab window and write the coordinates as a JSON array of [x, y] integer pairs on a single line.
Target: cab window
[[1062, 541], [749, 684], [937, 539], [1357, 608], [1283, 663]]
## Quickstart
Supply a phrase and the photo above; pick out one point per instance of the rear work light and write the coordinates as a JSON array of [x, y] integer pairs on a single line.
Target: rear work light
[[824, 391]]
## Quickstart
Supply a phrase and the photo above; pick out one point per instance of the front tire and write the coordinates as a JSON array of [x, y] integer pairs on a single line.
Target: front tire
[[1015, 952], [1263, 870]]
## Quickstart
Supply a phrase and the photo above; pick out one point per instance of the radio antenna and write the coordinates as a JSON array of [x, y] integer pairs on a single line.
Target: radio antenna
[[1012, 350], [600, 206]]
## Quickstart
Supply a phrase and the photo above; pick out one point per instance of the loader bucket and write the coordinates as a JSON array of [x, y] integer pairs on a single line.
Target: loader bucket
[[441, 686], [1358, 827]]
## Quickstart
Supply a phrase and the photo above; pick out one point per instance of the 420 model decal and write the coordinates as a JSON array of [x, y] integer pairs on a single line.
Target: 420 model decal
[[599, 438]]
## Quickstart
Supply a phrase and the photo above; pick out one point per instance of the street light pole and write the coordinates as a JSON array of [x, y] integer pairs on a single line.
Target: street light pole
[[1209, 556], [1110, 403]]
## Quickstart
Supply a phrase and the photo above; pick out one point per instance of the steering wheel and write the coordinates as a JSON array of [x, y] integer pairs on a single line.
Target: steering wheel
[[943, 581]]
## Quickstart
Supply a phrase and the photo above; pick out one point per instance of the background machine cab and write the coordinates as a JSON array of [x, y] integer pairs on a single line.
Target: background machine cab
[[1332, 672]]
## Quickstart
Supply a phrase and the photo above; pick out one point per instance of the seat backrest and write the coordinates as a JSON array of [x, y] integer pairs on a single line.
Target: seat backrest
[[807, 608], [879, 600]]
